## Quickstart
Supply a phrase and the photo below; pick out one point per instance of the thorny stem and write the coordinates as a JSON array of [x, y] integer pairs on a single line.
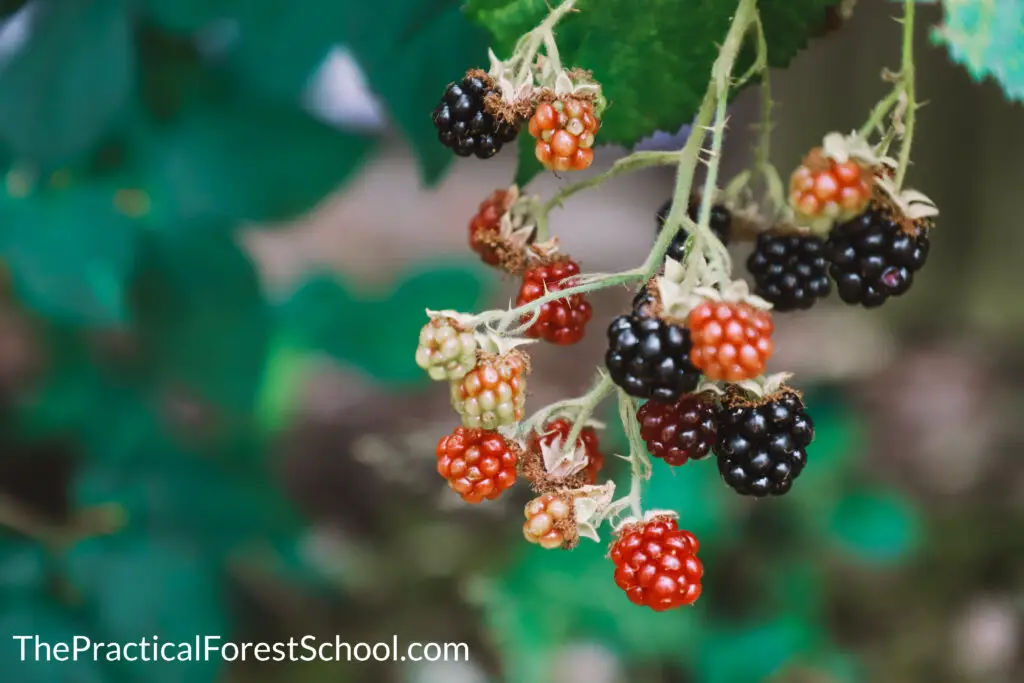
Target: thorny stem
[[628, 164], [538, 36], [588, 402], [639, 462], [907, 72], [881, 110]]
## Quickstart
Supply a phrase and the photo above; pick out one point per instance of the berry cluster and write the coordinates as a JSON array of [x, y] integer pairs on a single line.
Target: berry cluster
[[688, 360]]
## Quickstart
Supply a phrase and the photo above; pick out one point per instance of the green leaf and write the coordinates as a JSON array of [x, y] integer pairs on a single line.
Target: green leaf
[[69, 252], [53, 624], [654, 63], [876, 526], [409, 49], [23, 567], [245, 159], [69, 83], [140, 587], [987, 38], [528, 167], [201, 314], [325, 313]]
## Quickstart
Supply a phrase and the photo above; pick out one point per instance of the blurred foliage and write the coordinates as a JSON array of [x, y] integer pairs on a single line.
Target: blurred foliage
[[137, 138], [987, 38]]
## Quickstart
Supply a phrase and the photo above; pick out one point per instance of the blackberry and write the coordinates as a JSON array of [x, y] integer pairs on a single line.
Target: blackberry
[[720, 223], [462, 123], [650, 358], [761, 446], [790, 270], [680, 431], [642, 298], [874, 258]]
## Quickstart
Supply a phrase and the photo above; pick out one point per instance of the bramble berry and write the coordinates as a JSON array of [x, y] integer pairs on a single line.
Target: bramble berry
[[822, 188], [565, 131], [720, 224], [761, 445], [549, 521], [494, 392], [873, 257], [463, 123], [656, 564], [558, 430], [485, 227], [446, 351], [650, 358], [680, 431], [562, 321], [731, 341], [478, 464], [790, 269]]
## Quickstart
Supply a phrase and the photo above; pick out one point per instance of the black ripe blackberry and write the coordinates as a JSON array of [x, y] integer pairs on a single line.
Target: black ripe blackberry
[[720, 223], [462, 123], [761, 446], [874, 258], [642, 299], [790, 270], [650, 358]]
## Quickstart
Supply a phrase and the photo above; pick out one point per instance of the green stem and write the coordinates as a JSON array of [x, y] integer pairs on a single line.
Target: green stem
[[627, 164], [639, 461], [907, 72], [882, 110], [537, 38], [588, 402]]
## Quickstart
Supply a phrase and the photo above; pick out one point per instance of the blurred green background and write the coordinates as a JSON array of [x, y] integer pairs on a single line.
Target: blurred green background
[[221, 222]]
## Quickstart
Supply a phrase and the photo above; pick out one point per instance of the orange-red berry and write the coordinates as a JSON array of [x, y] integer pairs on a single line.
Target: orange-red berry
[[562, 321], [565, 131], [656, 564], [546, 517], [479, 464], [731, 341], [824, 188]]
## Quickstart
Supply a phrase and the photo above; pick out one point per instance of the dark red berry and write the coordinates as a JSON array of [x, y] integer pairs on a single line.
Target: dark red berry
[[562, 321], [680, 431], [558, 430]]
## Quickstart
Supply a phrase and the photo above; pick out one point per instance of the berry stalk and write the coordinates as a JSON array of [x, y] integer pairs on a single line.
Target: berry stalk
[[908, 77], [627, 164], [588, 402], [542, 35]]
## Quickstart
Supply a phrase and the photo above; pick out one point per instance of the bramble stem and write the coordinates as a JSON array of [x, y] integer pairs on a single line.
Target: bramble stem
[[881, 110], [588, 402], [908, 77], [627, 164], [542, 35]]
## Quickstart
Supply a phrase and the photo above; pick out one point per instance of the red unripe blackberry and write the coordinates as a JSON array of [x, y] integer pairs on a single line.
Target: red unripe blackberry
[[790, 270], [565, 131], [650, 358], [558, 430], [680, 431], [823, 188], [720, 224], [874, 257], [656, 564], [486, 225], [762, 445], [463, 123], [562, 321], [479, 464]]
